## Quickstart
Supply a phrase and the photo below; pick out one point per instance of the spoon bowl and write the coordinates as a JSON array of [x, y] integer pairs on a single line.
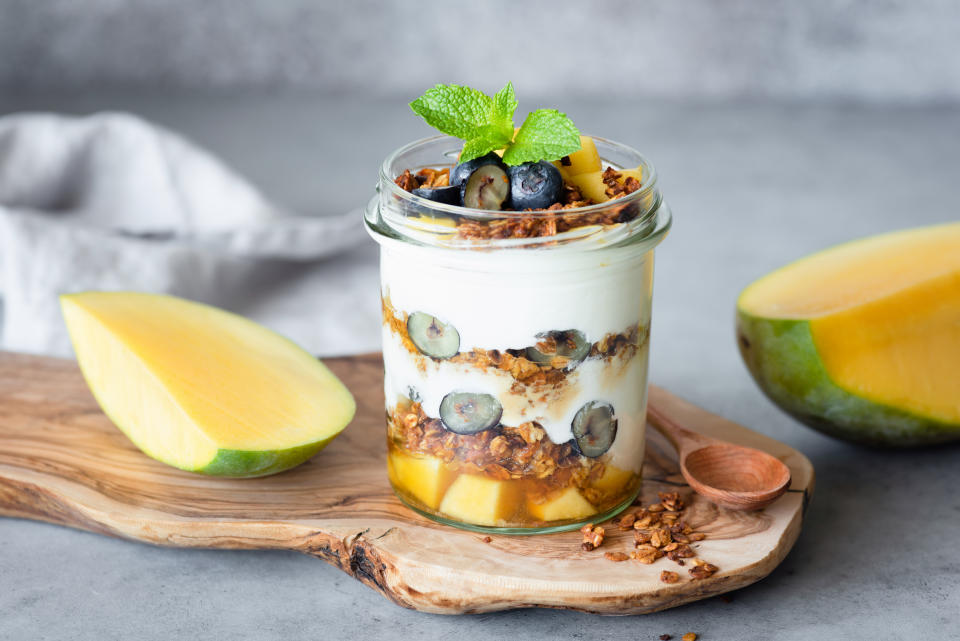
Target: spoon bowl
[[733, 476]]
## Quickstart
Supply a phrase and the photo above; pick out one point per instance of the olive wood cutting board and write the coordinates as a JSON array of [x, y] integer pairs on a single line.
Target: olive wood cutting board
[[62, 461]]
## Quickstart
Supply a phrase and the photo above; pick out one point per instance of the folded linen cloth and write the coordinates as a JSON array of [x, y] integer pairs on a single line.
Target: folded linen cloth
[[111, 202]]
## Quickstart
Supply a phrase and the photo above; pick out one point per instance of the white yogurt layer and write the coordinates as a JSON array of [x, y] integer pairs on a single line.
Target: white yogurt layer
[[503, 299]]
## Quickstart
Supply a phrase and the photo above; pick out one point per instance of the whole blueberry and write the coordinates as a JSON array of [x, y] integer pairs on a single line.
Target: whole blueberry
[[461, 172], [534, 185]]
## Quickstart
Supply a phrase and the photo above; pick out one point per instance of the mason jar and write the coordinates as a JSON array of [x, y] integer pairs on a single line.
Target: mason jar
[[515, 349]]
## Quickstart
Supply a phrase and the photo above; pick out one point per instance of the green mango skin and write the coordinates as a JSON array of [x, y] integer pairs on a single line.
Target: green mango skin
[[249, 464], [783, 360]]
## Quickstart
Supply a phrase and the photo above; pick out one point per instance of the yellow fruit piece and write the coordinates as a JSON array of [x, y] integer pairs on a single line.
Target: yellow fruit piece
[[567, 505], [590, 185], [583, 161], [426, 478], [636, 173], [203, 389], [863, 340], [613, 479], [479, 500]]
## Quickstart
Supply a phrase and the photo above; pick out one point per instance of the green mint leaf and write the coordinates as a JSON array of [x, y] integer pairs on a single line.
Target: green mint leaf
[[504, 104], [546, 134], [476, 147], [456, 111]]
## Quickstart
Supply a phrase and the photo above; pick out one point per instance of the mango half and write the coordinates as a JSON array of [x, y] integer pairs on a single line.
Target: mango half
[[202, 389], [862, 341]]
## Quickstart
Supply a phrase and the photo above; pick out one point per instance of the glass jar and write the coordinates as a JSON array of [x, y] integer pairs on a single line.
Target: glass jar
[[515, 349]]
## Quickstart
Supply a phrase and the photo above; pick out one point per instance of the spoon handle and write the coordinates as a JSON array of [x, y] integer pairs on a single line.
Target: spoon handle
[[681, 438]]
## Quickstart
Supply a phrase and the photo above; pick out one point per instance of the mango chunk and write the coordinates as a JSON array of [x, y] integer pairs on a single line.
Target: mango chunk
[[583, 161], [862, 341], [202, 389], [591, 185], [613, 479], [567, 505], [479, 500], [426, 478]]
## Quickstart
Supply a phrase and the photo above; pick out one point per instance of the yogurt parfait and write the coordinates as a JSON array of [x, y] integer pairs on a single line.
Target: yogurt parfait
[[516, 280]]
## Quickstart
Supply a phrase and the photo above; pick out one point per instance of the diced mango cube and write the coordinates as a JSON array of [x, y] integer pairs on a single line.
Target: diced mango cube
[[567, 505], [636, 173], [583, 161], [613, 479], [426, 478], [478, 499], [590, 185]]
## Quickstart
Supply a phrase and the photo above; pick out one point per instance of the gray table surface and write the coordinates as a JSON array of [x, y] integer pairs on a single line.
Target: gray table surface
[[752, 186]]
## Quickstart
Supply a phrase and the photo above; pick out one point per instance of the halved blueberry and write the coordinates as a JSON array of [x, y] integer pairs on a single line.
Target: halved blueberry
[[534, 185], [570, 343], [433, 337], [470, 412], [486, 188], [446, 195], [460, 173], [594, 428]]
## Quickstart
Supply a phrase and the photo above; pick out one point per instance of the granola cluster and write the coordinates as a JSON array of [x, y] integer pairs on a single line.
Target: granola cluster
[[427, 178], [660, 531], [523, 452]]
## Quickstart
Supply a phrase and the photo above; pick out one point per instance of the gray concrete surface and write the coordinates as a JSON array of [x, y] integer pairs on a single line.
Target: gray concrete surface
[[752, 186], [889, 51]]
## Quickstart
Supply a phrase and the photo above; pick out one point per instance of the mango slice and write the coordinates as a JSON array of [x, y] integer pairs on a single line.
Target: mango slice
[[862, 340], [479, 500], [567, 505], [202, 389], [426, 478]]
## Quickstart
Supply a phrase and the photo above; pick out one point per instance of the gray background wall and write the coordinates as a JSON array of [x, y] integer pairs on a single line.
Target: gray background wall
[[889, 51]]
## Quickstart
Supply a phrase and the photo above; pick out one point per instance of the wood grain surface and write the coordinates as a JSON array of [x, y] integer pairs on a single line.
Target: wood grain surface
[[62, 461]]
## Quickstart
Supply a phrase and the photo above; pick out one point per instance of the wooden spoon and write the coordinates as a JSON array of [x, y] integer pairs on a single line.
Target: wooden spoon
[[736, 477]]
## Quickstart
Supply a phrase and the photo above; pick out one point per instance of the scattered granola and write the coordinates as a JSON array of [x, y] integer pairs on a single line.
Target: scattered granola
[[592, 537], [665, 637], [659, 531], [701, 569], [616, 557], [486, 539], [689, 636]]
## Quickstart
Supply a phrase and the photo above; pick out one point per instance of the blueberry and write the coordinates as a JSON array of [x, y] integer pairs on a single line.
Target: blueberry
[[570, 344], [486, 188], [594, 428], [469, 412], [461, 172], [447, 195], [433, 337], [534, 185]]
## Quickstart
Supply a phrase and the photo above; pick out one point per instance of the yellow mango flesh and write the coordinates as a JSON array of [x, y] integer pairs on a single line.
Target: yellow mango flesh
[[591, 184], [478, 499], [613, 479], [884, 315], [426, 478], [582, 161], [195, 386], [567, 505]]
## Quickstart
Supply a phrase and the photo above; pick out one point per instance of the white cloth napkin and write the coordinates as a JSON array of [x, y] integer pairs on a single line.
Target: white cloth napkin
[[111, 202]]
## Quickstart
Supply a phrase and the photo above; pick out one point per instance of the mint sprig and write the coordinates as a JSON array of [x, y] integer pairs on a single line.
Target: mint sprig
[[485, 124]]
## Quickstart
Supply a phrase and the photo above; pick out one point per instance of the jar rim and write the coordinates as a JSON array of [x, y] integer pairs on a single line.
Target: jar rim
[[653, 218]]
